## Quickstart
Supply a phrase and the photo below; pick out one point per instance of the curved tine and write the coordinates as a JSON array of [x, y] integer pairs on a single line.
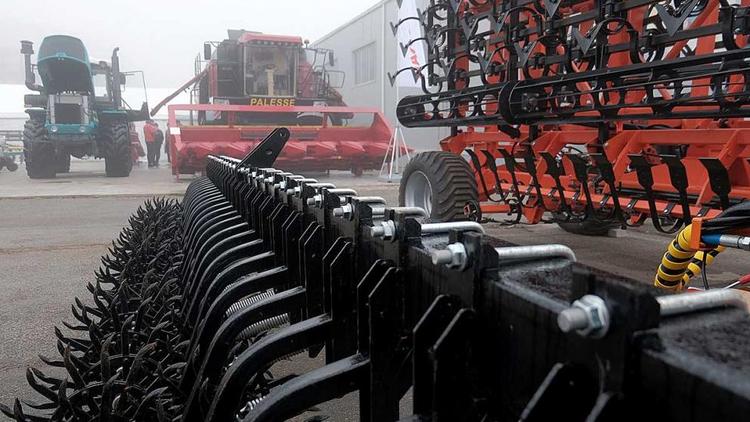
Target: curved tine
[[200, 210], [215, 316], [210, 197], [288, 340], [210, 244], [222, 213], [208, 291], [217, 352], [315, 387], [218, 264], [213, 226], [212, 215], [226, 243]]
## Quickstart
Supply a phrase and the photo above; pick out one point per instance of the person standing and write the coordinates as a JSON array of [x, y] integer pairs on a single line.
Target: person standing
[[158, 140], [149, 135]]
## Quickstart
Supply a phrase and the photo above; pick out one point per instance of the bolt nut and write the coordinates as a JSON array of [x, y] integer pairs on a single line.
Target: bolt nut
[[344, 211], [454, 256], [588, 316], [744, 243], [385, 230]]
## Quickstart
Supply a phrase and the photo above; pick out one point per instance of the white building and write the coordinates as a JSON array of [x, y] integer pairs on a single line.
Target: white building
[[367, 50]]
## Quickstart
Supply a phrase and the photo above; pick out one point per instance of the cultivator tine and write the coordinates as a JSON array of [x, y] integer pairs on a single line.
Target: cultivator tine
[[517, 202], [478, 169], [678, 177], [646, 180], [318, 386], [257, 358], [581, 170], [718, 178], [604, 166], [489, 161], [530, 162], [555, 170]]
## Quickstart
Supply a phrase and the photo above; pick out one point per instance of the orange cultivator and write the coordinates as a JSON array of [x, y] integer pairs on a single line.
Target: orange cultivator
[[591, 114]]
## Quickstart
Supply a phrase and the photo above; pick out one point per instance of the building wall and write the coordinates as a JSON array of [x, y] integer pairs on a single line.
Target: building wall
[[373, 27]]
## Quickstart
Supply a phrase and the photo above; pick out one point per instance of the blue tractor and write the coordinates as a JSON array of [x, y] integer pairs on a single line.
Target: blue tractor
[[78, 109]]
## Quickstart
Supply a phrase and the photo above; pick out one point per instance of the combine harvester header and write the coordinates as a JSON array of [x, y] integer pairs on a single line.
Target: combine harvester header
[[251, 83]]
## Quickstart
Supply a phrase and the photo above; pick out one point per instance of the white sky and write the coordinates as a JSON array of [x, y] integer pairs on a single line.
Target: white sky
[[161, 37]]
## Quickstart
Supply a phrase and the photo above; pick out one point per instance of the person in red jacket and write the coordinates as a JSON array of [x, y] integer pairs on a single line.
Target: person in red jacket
[[152, 147]]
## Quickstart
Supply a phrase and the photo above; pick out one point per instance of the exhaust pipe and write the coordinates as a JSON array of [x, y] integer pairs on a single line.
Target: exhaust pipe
[[27, 49]]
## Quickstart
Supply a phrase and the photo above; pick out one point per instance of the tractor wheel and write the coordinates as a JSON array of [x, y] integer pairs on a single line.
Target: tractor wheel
[[62, 160], [439, 182], [11, 165], [115, 146], [38, 152]]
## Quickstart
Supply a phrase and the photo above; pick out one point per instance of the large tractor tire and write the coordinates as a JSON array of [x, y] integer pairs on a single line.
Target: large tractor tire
[[114, 143], [439, 182], [39, 153], [62, 162]]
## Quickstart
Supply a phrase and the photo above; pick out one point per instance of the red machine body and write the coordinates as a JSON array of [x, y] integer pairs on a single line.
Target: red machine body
[[317, 148], [251, 83]]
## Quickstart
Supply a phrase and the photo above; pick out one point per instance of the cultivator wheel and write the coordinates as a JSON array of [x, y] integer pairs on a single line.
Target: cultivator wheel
[[439, 182], [196, 302], [115, 147], [39, 152]]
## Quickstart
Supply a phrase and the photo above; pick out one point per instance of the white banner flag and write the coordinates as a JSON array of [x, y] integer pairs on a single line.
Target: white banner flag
[[416, 54]]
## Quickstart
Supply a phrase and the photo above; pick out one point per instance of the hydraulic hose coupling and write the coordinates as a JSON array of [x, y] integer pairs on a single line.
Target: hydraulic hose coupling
[[682, 262], [588, 316]]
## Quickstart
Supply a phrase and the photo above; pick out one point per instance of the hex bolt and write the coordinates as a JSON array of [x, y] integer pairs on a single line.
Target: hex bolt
[[384, 229], [442, 257], [344, 211], [588, 316], [454, 256]]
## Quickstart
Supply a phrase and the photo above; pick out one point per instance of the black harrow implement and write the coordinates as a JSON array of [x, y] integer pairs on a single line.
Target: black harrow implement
[[197, 301]]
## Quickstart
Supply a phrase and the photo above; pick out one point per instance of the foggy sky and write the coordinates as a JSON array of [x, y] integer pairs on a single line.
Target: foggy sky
[[160, 37]]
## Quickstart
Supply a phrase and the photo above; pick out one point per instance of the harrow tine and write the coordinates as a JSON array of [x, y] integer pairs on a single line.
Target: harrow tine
[[254, 360], [604, 166], [318, 386], [478, 169], [581, 170], [646, 180], [718, 178], [492, 166], [678, 177], [555, 170]]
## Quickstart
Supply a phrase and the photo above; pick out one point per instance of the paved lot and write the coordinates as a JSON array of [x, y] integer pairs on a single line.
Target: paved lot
[[50, 244], [87, 179]]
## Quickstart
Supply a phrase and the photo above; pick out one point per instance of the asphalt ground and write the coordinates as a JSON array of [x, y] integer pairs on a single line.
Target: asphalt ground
[[53, 233]]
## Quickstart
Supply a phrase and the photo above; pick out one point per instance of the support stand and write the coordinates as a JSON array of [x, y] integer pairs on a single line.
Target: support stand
[[391, 169]]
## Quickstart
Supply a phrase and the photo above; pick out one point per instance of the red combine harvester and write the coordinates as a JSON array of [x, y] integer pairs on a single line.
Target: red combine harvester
[[251, 83]]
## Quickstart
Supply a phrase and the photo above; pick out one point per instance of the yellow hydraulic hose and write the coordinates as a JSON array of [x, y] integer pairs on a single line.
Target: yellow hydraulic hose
[[681, 262]]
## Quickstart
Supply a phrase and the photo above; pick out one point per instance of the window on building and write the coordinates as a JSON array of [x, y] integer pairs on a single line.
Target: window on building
[[364, 64]]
